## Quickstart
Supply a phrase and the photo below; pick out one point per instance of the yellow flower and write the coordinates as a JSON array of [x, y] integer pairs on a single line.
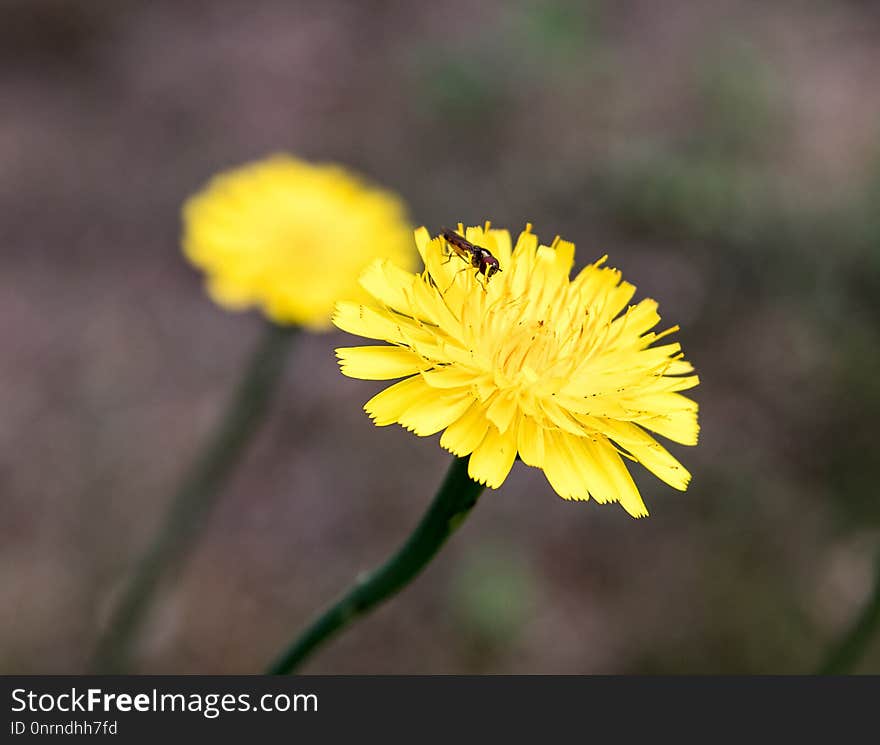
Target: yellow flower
[[529, 362], [291, 237]]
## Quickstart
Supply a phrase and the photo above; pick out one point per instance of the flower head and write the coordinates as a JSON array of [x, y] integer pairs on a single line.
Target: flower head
[[291, 237], [561, 371]]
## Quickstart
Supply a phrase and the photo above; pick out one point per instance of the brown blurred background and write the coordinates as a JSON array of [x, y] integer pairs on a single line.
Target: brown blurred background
[[726, 154]]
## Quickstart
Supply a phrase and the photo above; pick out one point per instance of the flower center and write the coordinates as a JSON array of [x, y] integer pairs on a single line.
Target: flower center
[[525, 355]]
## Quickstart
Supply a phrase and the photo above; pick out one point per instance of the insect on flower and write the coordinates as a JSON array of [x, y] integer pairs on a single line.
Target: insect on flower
[[478, 257], [563, 372]]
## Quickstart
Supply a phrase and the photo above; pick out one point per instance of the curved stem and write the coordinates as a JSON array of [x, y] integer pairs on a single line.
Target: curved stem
[[848, 651], [196, 495], [457, 495]]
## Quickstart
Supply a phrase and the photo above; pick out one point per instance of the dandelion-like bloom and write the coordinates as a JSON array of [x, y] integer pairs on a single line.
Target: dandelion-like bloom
[[291, 237], [529, 362]]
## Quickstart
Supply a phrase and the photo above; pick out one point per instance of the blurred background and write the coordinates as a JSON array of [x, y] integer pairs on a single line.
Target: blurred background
[[725, 154]]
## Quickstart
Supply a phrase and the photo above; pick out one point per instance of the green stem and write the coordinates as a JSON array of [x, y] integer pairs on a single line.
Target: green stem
[[849, 650], [457, 495], [196, 496]]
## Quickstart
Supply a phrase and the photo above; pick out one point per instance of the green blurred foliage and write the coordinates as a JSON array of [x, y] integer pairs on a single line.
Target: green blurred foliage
[[741, 104], [468, 79], [562, 31], [492, 596]]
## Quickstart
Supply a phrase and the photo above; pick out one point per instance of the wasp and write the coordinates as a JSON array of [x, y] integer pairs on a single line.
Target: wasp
[[478, 257]]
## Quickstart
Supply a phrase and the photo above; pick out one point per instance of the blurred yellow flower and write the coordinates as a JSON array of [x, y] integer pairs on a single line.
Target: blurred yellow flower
[[527, 361], [291, 237]]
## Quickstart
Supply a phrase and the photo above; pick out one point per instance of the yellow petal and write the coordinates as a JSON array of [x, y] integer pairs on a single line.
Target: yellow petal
[[526, 243], [389, 284], [463, 435], [562, 469], [650, 453], [376, 323], [450, 376], [430, 414], [600, 405], [522, 264], [679, 367], [530, 441], [579, 468], [428, 306], [659, 354], [616, 299], [387, 406], [499, 244], [378, 363], [611, 470], [423, 237], [561, 417], [592, 471], [502, 410], [493, 458], [564, 256], [474, 234], [676, 383], [672, 415], [546, 277], [642, 317]]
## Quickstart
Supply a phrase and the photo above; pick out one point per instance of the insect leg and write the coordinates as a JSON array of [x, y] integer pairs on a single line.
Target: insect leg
[[464, 269]]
